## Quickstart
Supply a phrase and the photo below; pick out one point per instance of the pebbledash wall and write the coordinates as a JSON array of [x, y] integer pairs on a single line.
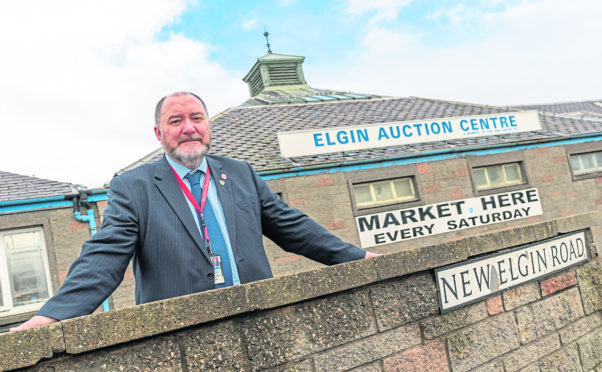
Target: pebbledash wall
[[369, 315]]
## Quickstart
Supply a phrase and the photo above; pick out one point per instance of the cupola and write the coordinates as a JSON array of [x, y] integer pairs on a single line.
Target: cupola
[[275, 70]]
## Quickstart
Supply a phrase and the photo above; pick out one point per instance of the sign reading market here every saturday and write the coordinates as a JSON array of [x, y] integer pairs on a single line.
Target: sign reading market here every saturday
[[471, 281], [360, 137], [405, 224]]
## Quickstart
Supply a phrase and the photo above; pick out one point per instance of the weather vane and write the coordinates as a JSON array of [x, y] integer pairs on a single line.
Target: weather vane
[[266, 33]]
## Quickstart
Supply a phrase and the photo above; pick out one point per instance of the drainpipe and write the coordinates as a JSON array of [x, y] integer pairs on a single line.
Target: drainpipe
[[89, 217], [82, 198]]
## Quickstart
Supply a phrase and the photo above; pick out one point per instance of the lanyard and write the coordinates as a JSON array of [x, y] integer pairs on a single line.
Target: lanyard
[[196, 206]]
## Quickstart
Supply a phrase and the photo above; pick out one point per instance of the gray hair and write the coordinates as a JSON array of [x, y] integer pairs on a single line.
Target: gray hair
[[162, 100]]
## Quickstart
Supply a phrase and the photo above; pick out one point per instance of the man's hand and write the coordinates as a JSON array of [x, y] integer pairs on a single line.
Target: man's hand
[[370, 255], [35, 321]]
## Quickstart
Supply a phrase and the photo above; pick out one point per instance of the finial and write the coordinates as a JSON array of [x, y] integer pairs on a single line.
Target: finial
[[266, 33]]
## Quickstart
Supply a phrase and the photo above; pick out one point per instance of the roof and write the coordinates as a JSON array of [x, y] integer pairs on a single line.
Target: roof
[[273, 58], [280, 57], [278, 79], [288, 94], [594, 106], [250, 133], [274, 69], [18, 187]]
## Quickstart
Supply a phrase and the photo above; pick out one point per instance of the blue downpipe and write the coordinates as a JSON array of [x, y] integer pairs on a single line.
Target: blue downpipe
[[89, 217]]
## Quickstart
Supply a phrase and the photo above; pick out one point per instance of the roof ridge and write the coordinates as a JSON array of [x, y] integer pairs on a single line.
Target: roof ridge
[[371, 99], [559, 103], [463, 103], [34, 177]]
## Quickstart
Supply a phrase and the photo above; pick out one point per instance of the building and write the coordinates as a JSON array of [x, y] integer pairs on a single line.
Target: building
[[589, 110], [43, 224], [387, 199], [345, 190]]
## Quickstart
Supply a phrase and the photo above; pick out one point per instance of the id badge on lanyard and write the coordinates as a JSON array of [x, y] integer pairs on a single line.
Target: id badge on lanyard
[[216, 261]]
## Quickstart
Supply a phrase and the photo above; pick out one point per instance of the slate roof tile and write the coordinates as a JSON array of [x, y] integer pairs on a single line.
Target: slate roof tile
[[594, 106], [19, 187], [250, 133]]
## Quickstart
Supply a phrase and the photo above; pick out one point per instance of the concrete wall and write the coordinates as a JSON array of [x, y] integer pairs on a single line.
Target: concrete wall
[[369, 315]]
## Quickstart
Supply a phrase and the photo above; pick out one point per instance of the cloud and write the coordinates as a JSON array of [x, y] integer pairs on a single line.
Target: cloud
[[384, 9], [80, 80], [456, 14], [249, 23], [536, 51]]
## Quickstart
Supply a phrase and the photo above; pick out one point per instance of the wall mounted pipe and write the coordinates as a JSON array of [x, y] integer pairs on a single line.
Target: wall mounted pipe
[[90, 218], [24, 205]]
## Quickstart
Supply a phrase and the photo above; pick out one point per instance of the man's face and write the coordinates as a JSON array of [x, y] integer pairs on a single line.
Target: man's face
[[185, 130]]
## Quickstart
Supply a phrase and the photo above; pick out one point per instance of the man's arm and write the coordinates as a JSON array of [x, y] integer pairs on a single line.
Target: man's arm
[[99, 269], [295, 232]]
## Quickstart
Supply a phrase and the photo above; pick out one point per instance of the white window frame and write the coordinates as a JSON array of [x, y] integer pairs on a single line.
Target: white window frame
[[587, 171], [503, 165], [7, 307], [386, 202]]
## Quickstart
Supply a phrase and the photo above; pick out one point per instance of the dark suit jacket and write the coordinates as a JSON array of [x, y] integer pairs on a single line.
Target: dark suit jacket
[[148, 221]]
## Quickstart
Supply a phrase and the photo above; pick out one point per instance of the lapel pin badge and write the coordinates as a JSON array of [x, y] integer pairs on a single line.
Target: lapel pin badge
[[223, 177]]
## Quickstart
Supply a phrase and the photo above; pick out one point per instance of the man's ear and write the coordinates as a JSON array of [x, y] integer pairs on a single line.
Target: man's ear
[[157, 133]]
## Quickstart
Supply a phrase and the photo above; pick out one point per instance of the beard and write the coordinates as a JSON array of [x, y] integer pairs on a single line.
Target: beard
[[191, 159]]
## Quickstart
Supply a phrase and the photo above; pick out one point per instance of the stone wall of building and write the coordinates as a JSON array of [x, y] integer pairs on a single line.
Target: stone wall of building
[[326, 197], [63, 236], [370, 315]]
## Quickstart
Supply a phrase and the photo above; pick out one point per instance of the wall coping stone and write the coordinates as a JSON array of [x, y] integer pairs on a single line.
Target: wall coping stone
[[100, 330]]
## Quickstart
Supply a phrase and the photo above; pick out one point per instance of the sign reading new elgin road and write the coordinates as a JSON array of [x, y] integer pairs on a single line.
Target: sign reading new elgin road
[[474, 280], [405, 224], [360, 137]]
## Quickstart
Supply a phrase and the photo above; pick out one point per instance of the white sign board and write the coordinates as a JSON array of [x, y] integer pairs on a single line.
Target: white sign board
[[405, 224], [360, 137], [471, 281]]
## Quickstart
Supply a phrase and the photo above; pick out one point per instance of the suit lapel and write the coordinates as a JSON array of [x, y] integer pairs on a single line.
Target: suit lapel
[[224, 193], [170, 189]]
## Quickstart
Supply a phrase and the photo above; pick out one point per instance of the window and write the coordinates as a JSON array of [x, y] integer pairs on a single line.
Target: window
[[586, 163], [499, 175], [24, 276], [384, 192]]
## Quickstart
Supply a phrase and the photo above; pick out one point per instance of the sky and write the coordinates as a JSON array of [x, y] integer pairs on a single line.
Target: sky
[[79, 79]]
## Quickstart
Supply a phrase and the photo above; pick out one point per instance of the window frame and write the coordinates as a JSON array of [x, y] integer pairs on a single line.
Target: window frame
[[391, 183], [581, 149], [486, 169], [8, 308], [480, 161], [380, 175]]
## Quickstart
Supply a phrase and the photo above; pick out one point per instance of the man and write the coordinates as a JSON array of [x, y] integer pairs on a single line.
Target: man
[[181, 243]]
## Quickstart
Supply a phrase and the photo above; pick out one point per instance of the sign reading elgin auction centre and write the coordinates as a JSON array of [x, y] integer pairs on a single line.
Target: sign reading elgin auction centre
[[360, 137], [405, 224], [471, 281]]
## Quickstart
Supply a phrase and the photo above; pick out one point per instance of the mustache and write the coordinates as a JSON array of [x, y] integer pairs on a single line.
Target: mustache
[[190, 138]]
